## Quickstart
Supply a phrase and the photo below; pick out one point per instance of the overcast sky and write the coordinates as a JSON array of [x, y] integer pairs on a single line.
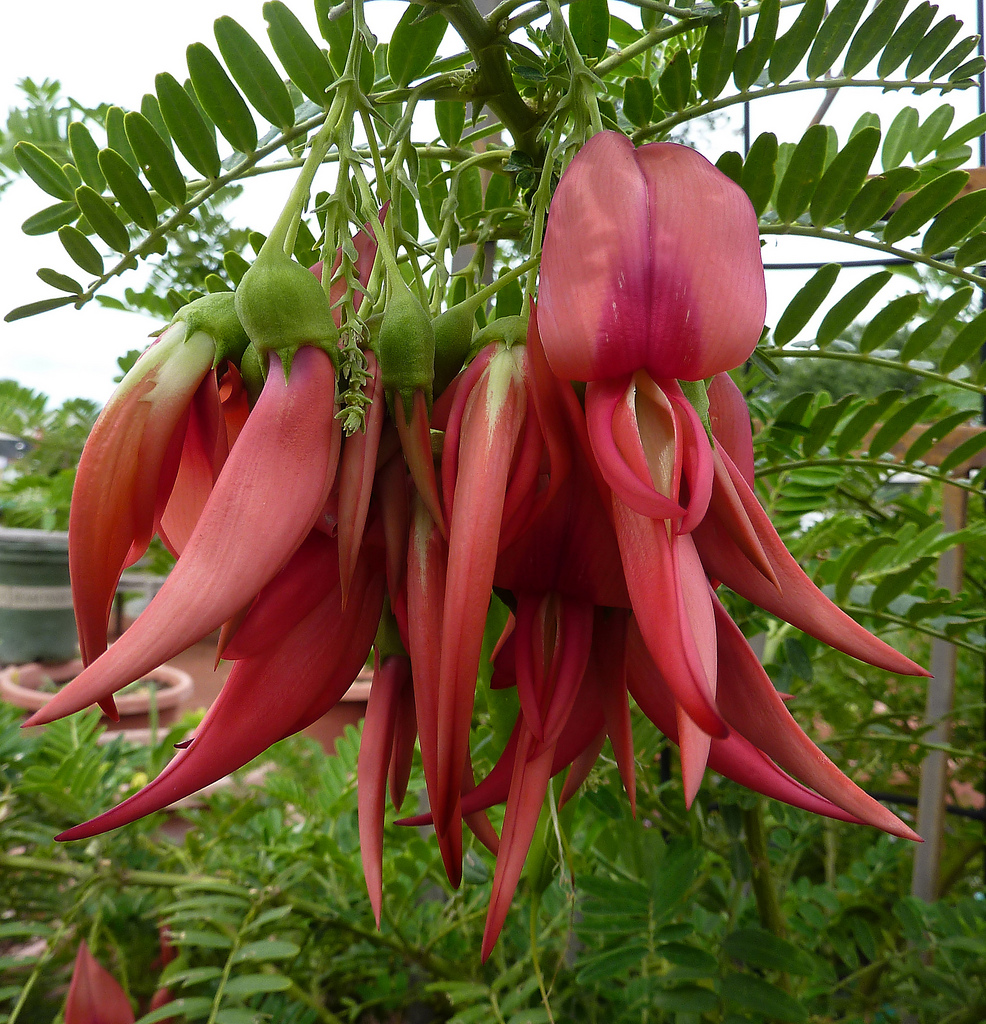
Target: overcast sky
[[67, 352]]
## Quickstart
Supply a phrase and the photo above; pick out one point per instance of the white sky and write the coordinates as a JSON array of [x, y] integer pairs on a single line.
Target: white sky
[[67, 352]]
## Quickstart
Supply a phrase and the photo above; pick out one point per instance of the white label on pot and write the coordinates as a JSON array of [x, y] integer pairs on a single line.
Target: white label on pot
[[29, 599]]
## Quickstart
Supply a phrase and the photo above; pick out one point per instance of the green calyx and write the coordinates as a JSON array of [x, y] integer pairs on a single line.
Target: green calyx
[[282, 307], [252, 372], [405, 345], [215, 315], [508, 330], [453, 336], [697, 393]]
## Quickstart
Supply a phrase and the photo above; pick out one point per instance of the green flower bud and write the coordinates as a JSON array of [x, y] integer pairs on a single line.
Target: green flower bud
[[453, 335], [282, 307], [406, 345]]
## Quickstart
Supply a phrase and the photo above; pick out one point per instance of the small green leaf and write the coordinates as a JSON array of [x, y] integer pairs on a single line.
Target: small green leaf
[[967, 132], [266, 949], [822, 425], [877, 196], [254, 73], [103, 219], [927, 333], [450, 116], [116, 136], [793, 45], [432, 193], [963, 452], [758, 171], [638, 100], [954, 57], [81, 250], [589, 23], [844, 177], [613, 963], [299, 54], [856, 564], [955, 222], [235, 266], [62, 282], [933, 45], [760, 948], [155, 158], [899, 138], [873, 35], [804, 304], [685, 999], [151, 109], [898, 424], [414, 44], [675, 82], [929, 136], [966, 344], [252, 984], [187, 1008], [85, 154], [894, 315], [731, 164], [187, 127], [927, 439], [753, 993], [128, 189], [752, 59], [834, 35], [924, 204], [862, 421], [220, 99], [45, 172], [803, 174], [970, 254], [51, 218], [715, 58], [896, 583], [33, 308], [906, 38]]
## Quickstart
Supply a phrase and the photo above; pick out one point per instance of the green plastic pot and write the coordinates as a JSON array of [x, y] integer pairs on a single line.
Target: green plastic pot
[[36, 618]]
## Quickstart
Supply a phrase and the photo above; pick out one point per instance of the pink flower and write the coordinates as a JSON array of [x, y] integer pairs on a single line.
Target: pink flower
[[94, 995]]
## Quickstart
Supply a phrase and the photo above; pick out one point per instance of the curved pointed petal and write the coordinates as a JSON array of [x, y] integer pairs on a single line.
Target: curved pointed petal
[[94, 995]]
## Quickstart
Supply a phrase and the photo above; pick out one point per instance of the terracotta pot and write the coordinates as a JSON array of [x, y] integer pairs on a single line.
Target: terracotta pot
[[20, 685], [348, 711]]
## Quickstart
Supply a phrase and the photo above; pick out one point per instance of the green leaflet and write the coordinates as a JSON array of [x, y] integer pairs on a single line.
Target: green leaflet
[[85, 153], [116, 136], [758, 171], [44, 171], [299, 54], [103, 219], [954, 57], [254, 73], [933, 45], [675, 82], [898, 424], [221, 99], [33, 308], [187, 127], [927, 333], [958, 220], [760, 948], [856, 564], [973, 446], [906, 38], [965, 345], [752, 59], [51, 218], [414, 44], [151, 109], [972, 252], [899, 138], [929, 136], [715, 58], [844, 177], [589, 23], [638, 100], [793, 45], [873, 35], [62, 282], [824, 422], [924, 204], [123, 182], [877, 196], [803, 174], [885, 324], [804, 304], [862, 421], [155, 158], [834, 35], [845, 311], [731, 164], [896, 583], [81, 251], [753, 993]]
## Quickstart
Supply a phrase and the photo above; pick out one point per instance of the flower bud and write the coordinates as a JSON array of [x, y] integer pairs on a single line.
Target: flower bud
[[406, 345]]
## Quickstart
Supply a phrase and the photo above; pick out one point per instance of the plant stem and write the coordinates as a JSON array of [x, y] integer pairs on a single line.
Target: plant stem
[[764, 889]]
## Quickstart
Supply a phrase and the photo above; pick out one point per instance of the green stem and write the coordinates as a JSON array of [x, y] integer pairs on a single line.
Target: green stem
[[762, 880]]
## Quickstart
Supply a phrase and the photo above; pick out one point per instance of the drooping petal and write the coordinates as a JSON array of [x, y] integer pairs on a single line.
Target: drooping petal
[[94, 995], [268, 496], [651, 260]]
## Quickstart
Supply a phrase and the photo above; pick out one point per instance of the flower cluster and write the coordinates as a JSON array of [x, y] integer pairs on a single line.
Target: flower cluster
[[605, 513]]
